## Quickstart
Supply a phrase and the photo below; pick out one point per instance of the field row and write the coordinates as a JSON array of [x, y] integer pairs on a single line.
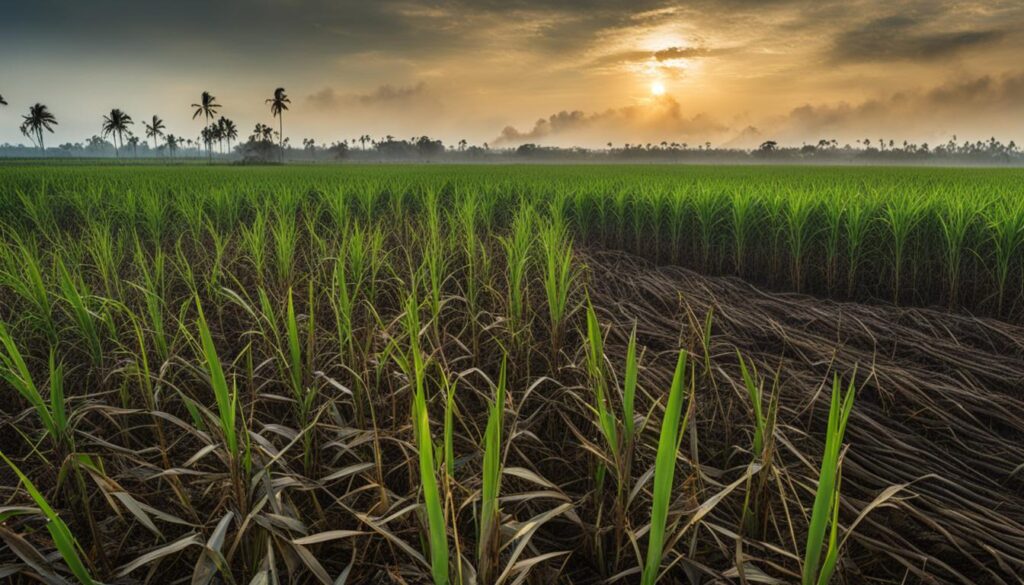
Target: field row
[[910, 236], [287, 375]]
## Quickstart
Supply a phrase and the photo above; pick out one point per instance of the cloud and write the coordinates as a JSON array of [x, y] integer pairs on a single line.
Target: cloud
[[681, 53], [982, 105], [328, 98], [977, 106], [984, 91], [749, 137], [901, 38], [652, 121], [662, 57]]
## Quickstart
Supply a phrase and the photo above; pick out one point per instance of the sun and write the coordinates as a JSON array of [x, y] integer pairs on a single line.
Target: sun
[[657, 88]]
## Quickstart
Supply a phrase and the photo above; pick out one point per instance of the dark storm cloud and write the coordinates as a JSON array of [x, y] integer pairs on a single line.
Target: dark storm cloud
[[897, 38], [254, 29], [268, 29]]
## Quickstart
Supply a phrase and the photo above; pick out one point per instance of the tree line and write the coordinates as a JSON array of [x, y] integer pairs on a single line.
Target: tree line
[[266, 144], [117, 125]]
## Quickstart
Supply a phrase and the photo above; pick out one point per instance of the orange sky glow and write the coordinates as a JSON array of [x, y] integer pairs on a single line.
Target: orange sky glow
[[567, 73]]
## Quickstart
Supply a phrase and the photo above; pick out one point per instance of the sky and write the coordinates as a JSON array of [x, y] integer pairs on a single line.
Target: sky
[[507, 72]]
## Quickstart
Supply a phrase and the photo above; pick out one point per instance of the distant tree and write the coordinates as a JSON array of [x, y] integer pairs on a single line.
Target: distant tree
[[278, 106], [527, 149], [230, 131], [261, 133], [206, 137], [220, 133], [154, 129], [38, 119], [115, 125], [172, 144], [768, 146], [207, 108], [133, 140], [427, 147], [339, 150], [97, 145], [3, 102], [217, 133]]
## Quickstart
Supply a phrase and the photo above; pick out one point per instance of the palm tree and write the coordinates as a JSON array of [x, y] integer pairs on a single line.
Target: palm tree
[[278, 106], [172, 144], [217, 131], [262, 133], [116, 124], [37, 120], [3, 102], [134, 141], [155, 129], [207, 107], [230, 131], [207, 136]]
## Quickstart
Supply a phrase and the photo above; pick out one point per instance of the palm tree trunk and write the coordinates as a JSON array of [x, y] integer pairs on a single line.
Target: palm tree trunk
[[280, 128], [209, 145]]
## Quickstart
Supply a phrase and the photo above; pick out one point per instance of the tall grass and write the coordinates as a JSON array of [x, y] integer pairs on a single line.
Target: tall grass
[[68, 547], [517, 247], [824, 514], [225, 395], [260, 351], [490, 512], [558, 277], [436, 526], [673, 427], [51, 410]]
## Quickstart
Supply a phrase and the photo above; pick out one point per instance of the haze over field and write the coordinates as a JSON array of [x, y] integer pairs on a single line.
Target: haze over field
[[555, 73]]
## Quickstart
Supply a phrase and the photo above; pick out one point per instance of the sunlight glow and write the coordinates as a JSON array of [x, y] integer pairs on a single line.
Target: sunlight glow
[[657, 88]]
